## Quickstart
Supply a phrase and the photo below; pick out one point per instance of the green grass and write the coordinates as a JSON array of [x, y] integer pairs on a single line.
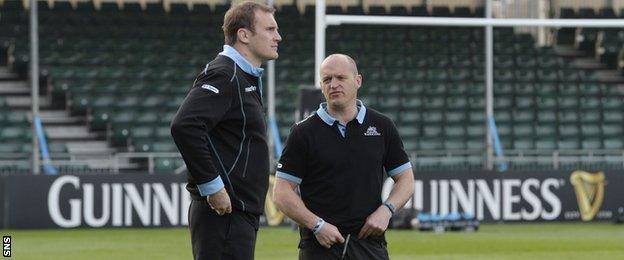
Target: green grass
[[505, 241]]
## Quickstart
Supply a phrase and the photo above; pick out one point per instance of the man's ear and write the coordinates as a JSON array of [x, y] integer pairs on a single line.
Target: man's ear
[[358, 80], [243, 35]]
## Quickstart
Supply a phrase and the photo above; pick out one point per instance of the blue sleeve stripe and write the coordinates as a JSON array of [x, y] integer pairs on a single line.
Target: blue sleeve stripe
[[288, 177], [400, 169], [210, 187]]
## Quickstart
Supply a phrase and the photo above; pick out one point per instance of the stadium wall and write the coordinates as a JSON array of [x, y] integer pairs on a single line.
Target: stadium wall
[[143, 200]]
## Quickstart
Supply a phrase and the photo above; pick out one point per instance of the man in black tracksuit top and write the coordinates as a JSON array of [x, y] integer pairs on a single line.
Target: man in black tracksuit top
[[221, 134]]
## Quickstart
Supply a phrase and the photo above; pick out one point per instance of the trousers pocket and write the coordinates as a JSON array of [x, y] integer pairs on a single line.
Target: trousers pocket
[[308, 243]]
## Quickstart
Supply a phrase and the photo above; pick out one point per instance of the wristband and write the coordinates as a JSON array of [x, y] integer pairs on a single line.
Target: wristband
[[318, 226], [390, 207]]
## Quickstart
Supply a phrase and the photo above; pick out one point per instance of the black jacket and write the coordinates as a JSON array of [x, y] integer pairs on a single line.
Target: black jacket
[[220, 131]]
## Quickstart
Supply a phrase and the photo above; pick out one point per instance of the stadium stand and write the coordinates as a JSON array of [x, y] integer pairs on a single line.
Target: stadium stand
[[126, 71]]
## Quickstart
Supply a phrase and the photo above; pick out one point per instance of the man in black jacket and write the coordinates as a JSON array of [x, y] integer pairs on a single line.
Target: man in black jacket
[[221, 134]]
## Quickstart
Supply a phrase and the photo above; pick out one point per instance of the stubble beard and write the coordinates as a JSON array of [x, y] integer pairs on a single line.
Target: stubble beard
[[338, 105]]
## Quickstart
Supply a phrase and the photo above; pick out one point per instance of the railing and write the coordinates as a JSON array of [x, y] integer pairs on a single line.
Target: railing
[[553, 158], [113, 162], [149, 156], [106, 162]]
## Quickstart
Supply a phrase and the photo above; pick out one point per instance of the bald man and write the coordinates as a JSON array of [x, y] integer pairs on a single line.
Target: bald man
[[339, 157]]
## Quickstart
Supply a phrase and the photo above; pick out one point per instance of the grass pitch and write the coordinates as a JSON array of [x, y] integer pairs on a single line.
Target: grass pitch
[[499, 241]]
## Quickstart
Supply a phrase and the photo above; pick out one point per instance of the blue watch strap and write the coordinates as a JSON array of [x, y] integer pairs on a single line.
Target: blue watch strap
[[390, 207]]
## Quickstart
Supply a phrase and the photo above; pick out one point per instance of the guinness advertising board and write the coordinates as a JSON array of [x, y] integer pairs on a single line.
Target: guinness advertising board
[[519, 196], [107, 200], [142, 200]]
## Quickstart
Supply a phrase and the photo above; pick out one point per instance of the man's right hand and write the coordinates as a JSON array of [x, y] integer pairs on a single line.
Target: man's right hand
[[329, 235], [220, 202]]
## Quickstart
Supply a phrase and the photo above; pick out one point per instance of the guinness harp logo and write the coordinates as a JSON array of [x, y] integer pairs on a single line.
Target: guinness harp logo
[[589, 189], [273, 215]]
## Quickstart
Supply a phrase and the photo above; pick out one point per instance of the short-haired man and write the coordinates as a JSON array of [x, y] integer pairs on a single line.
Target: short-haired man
[[337, 158], [221, 134]]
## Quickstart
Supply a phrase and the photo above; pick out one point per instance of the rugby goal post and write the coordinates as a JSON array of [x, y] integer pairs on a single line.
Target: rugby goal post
[[323, 20]]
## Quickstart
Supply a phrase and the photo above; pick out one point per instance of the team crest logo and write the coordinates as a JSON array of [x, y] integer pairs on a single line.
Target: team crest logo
[[589, 189], [372, 131]]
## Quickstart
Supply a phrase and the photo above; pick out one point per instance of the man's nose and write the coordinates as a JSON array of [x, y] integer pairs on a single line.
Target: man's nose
[[278, 38], [333, 84]]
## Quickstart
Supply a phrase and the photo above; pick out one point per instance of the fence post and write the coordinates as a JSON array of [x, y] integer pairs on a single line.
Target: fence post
[[150, 163]]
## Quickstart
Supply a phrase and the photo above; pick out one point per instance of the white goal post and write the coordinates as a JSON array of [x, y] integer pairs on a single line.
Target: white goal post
[[323, 20]]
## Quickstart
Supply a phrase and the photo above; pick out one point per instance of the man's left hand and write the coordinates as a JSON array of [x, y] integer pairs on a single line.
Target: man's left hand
[[376, 223]]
